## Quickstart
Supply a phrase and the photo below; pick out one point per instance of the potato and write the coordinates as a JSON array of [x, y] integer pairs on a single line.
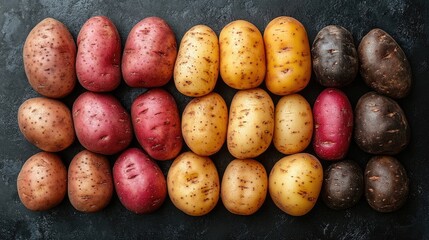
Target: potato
[[197, 64], [149, 54], [46, 123], [334, 56], [193, 184], [244, 186], [293, 126], [204, 123], [42, 181], [139, 182], [386, 184], [251, 123], [242, 55], [381, 126], [49, 56], [156, 122], [99, 55], [90, 182], [333, 124], [383, 65], [288, 56], [295, 182], [102, 124]]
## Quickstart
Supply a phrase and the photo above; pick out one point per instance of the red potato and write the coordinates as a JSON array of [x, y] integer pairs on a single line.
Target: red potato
[[333, 124], [149, 54], [98, 55], [101, 123], [156, 122], [139, 182]]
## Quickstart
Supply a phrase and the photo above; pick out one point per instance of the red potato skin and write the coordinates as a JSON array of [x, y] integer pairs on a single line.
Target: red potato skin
[[101, 123], [99, 55], [149, 54], [333, 124], [156, 123], [139, 182]]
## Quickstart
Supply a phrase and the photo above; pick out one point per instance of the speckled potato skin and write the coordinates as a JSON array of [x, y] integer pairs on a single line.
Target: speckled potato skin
[[46, 123], [293, 126], [42, 182], [244, 186], [193, 184], [242, 55], [90, 182], [204, 124], [295, 182], [49, 56], [251, 123], [197, 64], [288, 56]]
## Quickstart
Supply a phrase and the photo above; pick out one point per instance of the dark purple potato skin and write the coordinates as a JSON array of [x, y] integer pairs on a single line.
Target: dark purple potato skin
[[383, 65], [334, 55], [381, 126], [386, 184], [342, 185]]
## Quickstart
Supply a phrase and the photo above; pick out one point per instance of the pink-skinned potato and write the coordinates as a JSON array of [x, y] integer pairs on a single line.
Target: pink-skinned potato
[[139, 182], [149, 54], [49, 56], [156, 124], [101, 123], [99, 55]]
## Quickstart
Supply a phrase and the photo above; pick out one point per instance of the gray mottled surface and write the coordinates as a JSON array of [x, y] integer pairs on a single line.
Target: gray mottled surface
[[406, 21]]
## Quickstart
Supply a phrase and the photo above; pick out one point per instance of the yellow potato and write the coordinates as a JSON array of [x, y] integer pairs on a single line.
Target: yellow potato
[[193, 184], [204, 123], [293, 124], [242, 55], [288, 56], [197, 63], [244, 186], [251, 123], [295, 182]]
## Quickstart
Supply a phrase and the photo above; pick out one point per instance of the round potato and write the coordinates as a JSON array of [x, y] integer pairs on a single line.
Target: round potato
[[295, 182], [90, 184], [42, 181], [193, 184], [204, 123], [46, 123], [197, 64], [244, 186]]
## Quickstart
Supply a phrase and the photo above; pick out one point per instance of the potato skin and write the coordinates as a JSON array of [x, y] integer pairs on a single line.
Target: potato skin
[[383, 65], [156, 122], [381, 126], [288, 56], [386, 184], [102, 124], [244, 186], [197, 64], [251, 123], [333, 124], [49, 56], [193, 184], [334, 56], [293, 128], [139, 182], [295, 182], [42, 182], [98, 55], [46, 123], [204, 124], [149, 54], [90, 182], [242, 55]]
